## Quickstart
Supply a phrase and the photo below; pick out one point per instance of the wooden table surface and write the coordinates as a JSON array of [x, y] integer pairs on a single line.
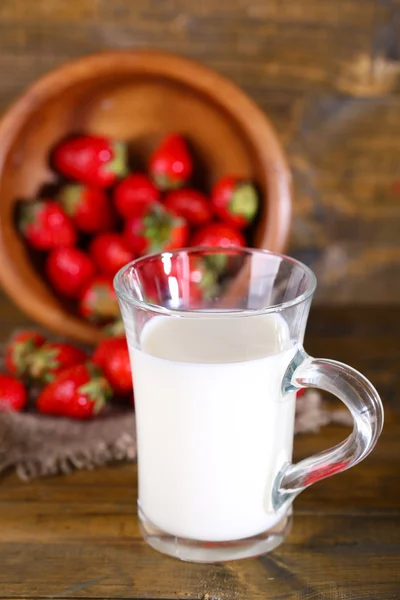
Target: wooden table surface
[[78, 537]]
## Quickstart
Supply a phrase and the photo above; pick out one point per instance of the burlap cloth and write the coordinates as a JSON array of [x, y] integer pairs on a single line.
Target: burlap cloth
[[34, 445]]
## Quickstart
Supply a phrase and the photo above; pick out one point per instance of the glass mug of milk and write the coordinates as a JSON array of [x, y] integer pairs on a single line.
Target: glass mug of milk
[[215, 339]]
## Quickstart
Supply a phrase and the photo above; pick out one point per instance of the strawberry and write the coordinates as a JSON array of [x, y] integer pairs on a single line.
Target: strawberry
[[69, 270], [78, 392], [51, 358], [191, 205], [88, 207], [98, 301], [235, 201], [218, 235], [112, 356], [91, 159], [45, 225], [155, 231], [110, 252], [170, 164], [133, 194], [13, 395], [19, 350]]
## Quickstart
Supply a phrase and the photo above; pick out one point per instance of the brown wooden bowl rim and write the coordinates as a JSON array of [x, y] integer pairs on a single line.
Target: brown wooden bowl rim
[[256, 125]]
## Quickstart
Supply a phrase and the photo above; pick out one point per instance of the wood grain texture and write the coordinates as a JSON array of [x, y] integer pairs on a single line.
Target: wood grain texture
[[327, 72], [77, 536]]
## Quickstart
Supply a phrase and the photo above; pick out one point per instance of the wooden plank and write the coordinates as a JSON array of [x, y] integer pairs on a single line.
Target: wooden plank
[[47, 11], [343, 13], [288, 51], [38, 39], [347, 211], [324, 557]]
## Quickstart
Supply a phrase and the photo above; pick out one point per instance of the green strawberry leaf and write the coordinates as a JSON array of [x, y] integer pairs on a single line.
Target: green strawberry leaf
[[43, 361], [158, 227], [29, 214], [244, 201], [22, 354], [165, 182], [70, 198], [217, 261], [98, 390], [119, 163], [208, 284]]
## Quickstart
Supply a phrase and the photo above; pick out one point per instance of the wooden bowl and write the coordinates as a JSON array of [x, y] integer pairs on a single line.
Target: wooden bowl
[[137, 96]]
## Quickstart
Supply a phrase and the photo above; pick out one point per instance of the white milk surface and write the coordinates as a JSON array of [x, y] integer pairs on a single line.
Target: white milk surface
[[213, 428]]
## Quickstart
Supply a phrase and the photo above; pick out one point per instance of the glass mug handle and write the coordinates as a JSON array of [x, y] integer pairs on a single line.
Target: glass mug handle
[[365, 406]]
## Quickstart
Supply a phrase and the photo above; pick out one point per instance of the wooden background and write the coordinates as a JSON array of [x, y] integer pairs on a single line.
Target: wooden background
[[327, 72]]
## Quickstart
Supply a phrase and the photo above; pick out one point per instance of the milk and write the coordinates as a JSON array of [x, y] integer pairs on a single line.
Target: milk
[[213, 429]]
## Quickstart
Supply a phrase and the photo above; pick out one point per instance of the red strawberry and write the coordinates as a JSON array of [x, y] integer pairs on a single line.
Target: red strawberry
[[235, 200], [20, 349], [134, 193], [98, 301], [52, 358], [190, 204], [13, 395], [155, 231], [112, 356], [91, 159], [69, 270], [78, 392], [88, 207], [45, 225], [171, 164], [218, 235], [110, 252]]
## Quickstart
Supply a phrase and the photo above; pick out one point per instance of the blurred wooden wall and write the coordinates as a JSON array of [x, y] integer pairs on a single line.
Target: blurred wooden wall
[[327, 72]]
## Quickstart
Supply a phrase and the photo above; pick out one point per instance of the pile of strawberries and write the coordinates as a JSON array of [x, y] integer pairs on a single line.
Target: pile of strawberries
[[104, 216], [62, 379]]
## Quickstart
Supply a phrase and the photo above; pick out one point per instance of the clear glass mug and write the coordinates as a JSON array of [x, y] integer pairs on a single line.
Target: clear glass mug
[[215, 338]]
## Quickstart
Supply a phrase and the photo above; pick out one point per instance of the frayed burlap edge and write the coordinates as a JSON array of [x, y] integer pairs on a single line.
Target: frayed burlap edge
[[35, 445]]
